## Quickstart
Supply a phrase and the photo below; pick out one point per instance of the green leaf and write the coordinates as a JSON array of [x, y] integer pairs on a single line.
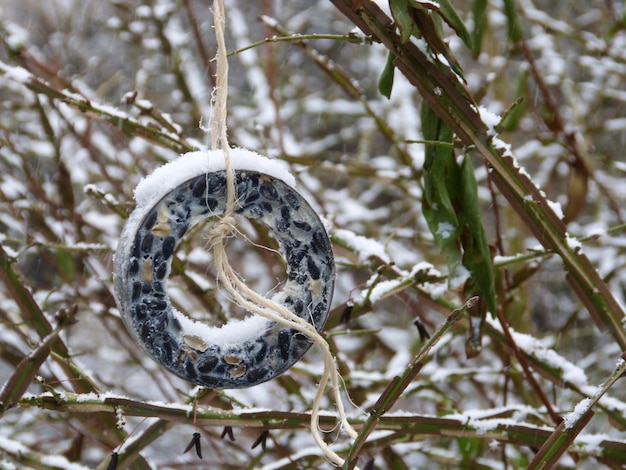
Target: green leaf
[[442, 180], [385, 84], [515, 31], [401, 11], [451, 208], [476, 251], [479, 12], [450, 16]]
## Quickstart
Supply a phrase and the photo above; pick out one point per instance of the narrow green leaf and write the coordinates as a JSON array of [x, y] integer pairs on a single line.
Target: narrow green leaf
[[385, 84], [515, 31], [401, 11], [476, 252], [442, 181], [450, 16], [479, 12]]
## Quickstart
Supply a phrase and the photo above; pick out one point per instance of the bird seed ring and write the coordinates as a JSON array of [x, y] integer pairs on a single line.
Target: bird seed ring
[[241, 353]]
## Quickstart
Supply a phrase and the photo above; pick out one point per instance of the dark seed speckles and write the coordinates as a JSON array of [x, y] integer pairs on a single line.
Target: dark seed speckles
[[134, 267], [145, 331], [300, 340], [140, 312], [155, 304], [150, 219], [254, 195], [302, 225], [158, 290], [320, 242], [168, 347], [136, 251], [175, 324], [208, 364], [310, 274], [292, 199], [211, 203], [242, 187], [256, 375], [190, 370], [146, 243], [295, 257], [260, 355], [284, 222], [199, 187], [161, 271], [269, 191], [136, 291], [284, 342], [168, 247], [314, 271], [318, 311], [252, 211], [217, 183]]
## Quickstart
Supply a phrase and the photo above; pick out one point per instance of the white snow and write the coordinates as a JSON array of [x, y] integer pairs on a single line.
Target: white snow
[[16, 73], [382, 289], [581, 408], [491, 120], [364, 248], [445, 230], [573, 243], [556, 208], [384, 6], [530, 345], [505, 146], [189, 165], [232, 333], [459, 277]]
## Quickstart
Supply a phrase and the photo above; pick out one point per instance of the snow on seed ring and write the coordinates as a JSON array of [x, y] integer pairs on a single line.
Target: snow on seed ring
[[240, 353]]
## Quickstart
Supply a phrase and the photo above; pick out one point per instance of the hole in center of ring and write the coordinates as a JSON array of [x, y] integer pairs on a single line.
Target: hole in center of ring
[[252, 252]]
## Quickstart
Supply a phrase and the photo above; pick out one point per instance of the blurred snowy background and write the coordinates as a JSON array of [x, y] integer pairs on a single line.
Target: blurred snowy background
[[94, 95]]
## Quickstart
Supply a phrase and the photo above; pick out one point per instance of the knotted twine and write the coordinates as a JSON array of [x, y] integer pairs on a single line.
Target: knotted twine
[[240, 293]]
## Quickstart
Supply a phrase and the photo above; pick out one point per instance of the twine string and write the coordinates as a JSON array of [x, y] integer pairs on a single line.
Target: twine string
[[240, 293]]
